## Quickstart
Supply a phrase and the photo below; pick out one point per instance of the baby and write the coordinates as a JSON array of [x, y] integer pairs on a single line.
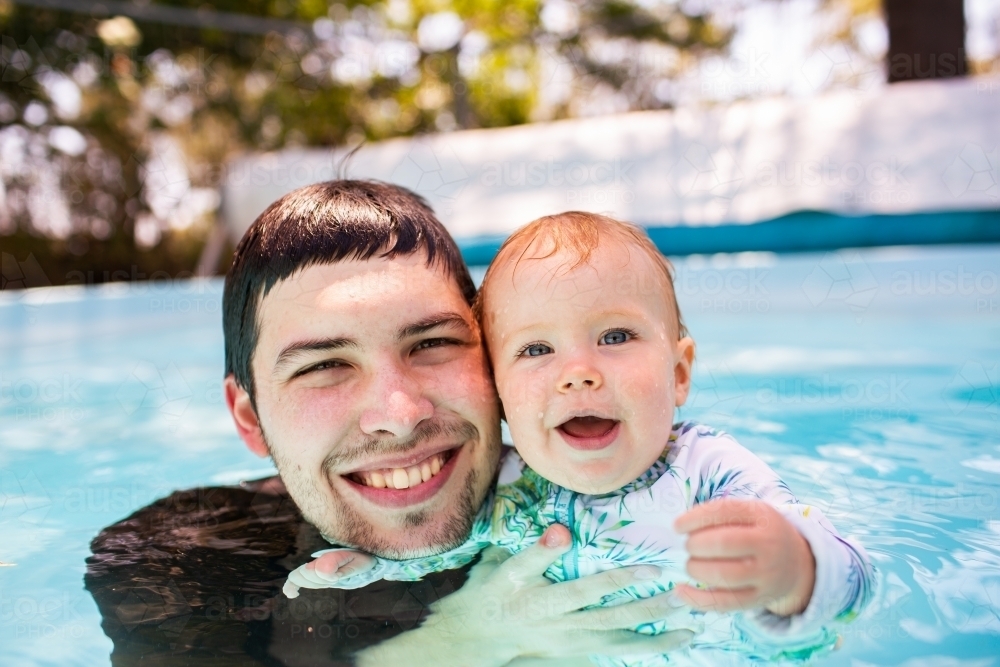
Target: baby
[[590, 358]]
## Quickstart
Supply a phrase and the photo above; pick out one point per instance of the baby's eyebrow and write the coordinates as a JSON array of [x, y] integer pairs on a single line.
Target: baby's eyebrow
[[509, 336], [590, 319]]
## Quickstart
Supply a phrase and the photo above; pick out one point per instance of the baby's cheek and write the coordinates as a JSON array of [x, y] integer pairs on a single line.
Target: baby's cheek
[[523, 409], [522, 397], [647, 390]]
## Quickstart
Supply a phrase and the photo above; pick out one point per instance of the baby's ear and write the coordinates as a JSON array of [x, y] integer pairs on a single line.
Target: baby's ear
[[682, 369]]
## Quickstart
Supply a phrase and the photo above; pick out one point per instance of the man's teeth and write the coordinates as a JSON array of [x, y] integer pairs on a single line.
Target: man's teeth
[[402, 478]]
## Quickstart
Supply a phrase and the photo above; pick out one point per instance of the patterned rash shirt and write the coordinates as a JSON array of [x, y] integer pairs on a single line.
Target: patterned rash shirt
[[633, 525]]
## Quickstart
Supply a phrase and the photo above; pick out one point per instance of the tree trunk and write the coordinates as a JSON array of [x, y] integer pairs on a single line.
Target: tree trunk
[[926, 39]]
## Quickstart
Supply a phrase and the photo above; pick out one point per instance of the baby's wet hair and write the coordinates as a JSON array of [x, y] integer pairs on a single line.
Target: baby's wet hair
[[578, 234]]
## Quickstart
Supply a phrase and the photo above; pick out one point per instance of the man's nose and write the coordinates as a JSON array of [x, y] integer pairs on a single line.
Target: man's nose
[[396, 405], [580, 373]]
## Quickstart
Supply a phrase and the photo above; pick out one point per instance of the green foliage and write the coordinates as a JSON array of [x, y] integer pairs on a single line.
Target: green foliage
[[325, 75]]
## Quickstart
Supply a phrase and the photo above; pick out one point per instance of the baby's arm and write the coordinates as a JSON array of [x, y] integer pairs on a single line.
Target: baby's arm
[[348, 568], [757, 547], [334, 568]]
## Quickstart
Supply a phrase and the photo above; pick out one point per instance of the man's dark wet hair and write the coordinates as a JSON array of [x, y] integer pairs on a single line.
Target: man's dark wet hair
[[325, 223]]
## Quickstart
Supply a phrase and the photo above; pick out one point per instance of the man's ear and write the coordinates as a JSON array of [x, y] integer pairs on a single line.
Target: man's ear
[[682, 369], [244, 416]]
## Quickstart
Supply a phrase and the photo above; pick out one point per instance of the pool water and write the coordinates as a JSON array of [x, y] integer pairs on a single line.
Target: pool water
[[870, 380]]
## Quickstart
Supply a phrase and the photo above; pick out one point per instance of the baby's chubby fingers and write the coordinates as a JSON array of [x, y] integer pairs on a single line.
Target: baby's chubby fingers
[[311, 578], [290, 590], [333, 565], [717, 599], [724, 512], [724, 573], [302, 577], [723, 542]]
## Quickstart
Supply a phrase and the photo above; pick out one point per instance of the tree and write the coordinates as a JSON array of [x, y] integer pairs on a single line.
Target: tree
[[116, 128], [926, 39]]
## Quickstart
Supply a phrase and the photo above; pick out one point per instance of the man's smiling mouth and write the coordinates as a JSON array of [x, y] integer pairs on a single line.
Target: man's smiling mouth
[[403, 478]]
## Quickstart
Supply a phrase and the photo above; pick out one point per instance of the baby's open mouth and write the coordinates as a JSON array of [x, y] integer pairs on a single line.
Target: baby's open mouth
[[588, 427], [403, 478]]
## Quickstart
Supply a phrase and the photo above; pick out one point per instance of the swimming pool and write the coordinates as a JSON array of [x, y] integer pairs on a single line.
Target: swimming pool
[[870, 380]]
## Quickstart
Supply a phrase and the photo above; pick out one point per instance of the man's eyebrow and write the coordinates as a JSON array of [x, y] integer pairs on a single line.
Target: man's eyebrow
[[293, 350], [446, 319]]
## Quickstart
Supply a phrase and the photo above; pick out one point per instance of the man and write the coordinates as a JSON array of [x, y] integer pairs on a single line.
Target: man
[[351, 348]]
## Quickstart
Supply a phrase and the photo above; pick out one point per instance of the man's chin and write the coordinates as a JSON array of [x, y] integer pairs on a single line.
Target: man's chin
[[398, 534], [413, 534], [420, 542]]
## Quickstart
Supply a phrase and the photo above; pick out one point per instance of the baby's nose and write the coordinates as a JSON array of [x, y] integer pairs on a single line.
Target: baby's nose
[[580, 376]]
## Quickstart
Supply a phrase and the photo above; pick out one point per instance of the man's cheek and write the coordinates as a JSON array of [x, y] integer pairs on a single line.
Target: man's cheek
[[315, 410], [466, 380]]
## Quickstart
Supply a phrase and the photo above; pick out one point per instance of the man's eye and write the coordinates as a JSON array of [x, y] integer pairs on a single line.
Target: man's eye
[[616, 336], [432, 342], [534, 350], [321, 366]]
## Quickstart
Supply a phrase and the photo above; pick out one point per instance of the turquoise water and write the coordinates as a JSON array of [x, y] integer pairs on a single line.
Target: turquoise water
[[869, 380]]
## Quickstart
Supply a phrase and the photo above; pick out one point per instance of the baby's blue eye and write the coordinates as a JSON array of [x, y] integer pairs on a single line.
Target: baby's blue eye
[[616, 337], [536, 350]]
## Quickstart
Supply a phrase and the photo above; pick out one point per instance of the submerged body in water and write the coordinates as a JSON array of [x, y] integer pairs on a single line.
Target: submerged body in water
[[195, 579]]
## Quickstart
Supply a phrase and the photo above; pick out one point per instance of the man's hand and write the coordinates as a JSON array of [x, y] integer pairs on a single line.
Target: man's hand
[[748, 555], [508, 609], [324, 572]]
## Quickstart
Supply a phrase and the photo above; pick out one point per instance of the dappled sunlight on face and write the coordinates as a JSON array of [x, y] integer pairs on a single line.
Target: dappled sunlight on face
[[376, 366]]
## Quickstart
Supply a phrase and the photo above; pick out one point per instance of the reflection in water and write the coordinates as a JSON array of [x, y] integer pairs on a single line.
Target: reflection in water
[[195, 579]]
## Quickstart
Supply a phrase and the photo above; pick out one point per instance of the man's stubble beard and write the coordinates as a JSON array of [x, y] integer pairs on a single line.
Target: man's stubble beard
[[340, 523]]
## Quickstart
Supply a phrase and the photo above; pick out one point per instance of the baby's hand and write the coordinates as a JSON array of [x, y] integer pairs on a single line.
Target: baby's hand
[[748, 555], [324, 572]]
